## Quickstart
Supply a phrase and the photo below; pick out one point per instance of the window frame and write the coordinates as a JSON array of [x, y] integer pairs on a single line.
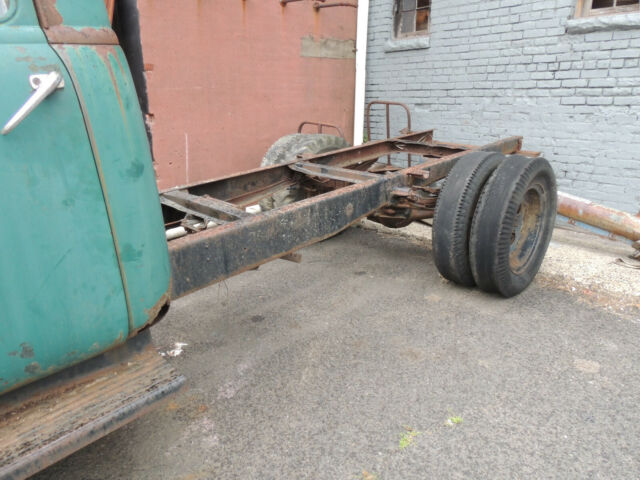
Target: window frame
[[584, 9], [397, 21]]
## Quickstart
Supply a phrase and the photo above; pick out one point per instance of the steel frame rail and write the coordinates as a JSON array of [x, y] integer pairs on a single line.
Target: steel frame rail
[[210, 256]]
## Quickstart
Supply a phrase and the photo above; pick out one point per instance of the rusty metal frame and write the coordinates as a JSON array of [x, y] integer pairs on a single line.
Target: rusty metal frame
[[387, 106], [321, 127], [212, 255], [131, 375]]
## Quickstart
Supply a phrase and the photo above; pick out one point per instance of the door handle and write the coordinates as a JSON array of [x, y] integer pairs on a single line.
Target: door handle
[[43, 85]]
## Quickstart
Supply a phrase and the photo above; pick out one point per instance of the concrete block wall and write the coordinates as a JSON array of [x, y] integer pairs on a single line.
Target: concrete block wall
[[495, 68]]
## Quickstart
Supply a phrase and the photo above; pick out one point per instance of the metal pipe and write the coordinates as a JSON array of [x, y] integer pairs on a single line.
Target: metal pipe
[[361, 71], [284, 2], [317, 5], [615, 221]]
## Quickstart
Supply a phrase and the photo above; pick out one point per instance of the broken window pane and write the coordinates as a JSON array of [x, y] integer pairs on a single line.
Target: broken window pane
[[412, 17], [422, 20], [602, 4]]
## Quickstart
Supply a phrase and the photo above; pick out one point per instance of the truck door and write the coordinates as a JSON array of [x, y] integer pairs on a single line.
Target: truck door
[[80, 33], [61, 290]]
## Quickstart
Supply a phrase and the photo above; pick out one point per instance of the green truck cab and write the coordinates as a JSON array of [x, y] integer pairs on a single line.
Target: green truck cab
[[84, 263]]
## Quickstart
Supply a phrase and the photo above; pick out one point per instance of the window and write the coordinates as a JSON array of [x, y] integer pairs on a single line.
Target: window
[[411, 17], [589, 8]]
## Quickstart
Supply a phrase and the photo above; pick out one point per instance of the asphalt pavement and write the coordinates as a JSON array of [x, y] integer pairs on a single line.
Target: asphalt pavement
[[362, 363]]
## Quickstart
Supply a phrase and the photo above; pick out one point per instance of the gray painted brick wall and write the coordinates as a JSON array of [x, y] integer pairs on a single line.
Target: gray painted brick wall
[[496, 68]]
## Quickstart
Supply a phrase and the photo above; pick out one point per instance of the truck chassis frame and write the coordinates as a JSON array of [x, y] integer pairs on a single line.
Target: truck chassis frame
[[342, 187]]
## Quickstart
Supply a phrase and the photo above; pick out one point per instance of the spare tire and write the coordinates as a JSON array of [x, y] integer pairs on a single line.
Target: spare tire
[[512, 225], [285, 150]]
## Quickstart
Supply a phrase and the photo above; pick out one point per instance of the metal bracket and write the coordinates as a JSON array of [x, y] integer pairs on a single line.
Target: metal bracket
[[36, 80], [333, 173]]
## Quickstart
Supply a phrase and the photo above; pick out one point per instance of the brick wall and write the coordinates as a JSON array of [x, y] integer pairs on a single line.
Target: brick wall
[[504, 67]]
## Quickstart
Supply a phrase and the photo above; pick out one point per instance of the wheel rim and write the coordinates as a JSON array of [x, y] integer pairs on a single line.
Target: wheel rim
[[527, 229]]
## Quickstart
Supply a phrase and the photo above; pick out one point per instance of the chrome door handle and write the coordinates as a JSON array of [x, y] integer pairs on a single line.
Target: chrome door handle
[[43, 85]]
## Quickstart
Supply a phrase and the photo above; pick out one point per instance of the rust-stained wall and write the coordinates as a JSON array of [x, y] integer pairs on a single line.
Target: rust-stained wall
[[226, 78]]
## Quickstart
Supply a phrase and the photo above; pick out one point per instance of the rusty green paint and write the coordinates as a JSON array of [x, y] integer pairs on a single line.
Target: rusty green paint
[[107, 95], [60, 286], [65, 284]]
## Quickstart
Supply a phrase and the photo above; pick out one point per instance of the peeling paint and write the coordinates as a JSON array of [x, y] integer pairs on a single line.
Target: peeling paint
[[30, 59], [33, 368], [327, 48], [27, 350], [48, 13]]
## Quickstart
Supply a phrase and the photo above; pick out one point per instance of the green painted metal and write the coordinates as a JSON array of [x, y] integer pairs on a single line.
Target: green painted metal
[[61, 291], [20, 25], [114, 121], [83, 13], [85, 262]]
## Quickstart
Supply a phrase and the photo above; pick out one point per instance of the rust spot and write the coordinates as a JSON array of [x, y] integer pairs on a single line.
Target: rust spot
[[117, 59], [48, 13], [27, 350], [32, 368], [316, 23], [148, 67], [244, 13], [106, 53], [81, 36], [35, 68], [29, 59], [159, 310]]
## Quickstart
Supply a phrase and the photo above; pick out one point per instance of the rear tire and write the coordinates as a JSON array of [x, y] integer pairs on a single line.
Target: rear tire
[[512, 226], [454, 212]]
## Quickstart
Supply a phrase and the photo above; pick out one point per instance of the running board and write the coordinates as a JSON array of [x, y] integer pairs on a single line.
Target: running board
[[42, 423]]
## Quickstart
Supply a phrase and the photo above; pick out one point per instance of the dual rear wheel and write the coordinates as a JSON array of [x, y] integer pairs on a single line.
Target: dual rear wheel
[[493, 221]]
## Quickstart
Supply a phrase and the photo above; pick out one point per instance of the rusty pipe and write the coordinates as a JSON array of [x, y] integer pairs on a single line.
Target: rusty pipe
[[284, 2], [615, 221], [317, 5]]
